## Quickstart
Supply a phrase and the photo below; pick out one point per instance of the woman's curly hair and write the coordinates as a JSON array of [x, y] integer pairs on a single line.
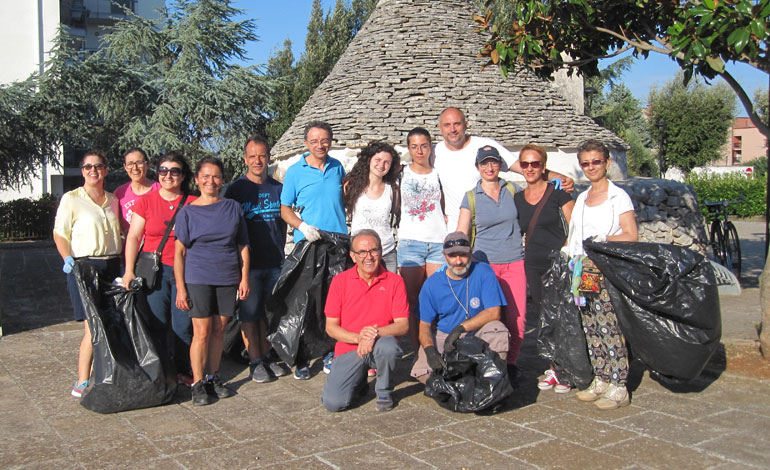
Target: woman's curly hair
[[357, 180]]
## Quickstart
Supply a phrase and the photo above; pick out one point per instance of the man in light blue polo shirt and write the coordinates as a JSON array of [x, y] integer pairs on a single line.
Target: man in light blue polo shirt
[[314, 184]]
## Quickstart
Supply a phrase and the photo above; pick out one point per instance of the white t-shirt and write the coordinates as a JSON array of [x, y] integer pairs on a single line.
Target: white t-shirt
[[458, 173], [604, 219], [421, 215], [375, 214]]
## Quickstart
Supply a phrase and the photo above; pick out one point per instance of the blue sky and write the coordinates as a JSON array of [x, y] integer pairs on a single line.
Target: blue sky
[[277, 20]]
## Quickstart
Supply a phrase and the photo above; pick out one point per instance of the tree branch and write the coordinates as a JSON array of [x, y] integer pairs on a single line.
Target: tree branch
[[746, 101]]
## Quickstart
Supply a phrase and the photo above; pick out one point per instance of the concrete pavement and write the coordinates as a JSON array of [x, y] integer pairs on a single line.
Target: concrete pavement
[[720, 421]]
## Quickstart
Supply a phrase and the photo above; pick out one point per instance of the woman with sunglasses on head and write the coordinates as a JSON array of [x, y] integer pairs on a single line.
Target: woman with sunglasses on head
[[602, 213], [87, 229], [211, 269], [548, 206], [136, 164], [423, 224], [370, 194], [151, 215], [489, 212]]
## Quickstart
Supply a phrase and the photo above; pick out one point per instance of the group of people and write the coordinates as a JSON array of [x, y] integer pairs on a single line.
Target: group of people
[[470, 245]]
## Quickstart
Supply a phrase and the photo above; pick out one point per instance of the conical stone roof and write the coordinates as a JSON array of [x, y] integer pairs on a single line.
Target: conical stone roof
[[412, 59]]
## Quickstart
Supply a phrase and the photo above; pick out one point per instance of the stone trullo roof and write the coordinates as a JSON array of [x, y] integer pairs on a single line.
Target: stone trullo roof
[[412, 59]]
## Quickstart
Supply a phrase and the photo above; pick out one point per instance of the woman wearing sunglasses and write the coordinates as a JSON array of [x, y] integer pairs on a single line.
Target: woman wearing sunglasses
[[548, 206], [87, 228], [151, 215], [603, 213], [136, 164]]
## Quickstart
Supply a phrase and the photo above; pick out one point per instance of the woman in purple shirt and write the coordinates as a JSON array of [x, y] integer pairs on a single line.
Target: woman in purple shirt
[[211, 267]]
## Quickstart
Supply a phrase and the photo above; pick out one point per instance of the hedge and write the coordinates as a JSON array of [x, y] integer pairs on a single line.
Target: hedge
[[28, 219], [730, 187]]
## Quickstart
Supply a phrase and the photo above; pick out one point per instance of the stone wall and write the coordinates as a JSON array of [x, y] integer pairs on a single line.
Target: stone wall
[[666, 212]]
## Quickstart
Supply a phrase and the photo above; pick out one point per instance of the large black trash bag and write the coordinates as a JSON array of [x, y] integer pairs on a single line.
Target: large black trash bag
[[666, 301], [561, 338], [129, 372], [474, 379], [295, 312]]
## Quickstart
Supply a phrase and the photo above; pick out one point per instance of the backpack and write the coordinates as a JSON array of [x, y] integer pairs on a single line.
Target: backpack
[[471, 195]]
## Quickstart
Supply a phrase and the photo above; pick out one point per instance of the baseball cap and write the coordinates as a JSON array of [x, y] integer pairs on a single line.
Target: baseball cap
[[486, 152], [457, 243]]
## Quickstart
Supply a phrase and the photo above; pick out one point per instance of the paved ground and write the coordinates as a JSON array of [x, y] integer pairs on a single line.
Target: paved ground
[[721, 421]]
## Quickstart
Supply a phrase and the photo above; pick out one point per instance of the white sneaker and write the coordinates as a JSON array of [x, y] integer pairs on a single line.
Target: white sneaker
[[594, 391], [615, 396]]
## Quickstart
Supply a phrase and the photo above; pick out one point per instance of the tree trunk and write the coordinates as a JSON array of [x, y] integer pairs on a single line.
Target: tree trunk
[[764, 302]]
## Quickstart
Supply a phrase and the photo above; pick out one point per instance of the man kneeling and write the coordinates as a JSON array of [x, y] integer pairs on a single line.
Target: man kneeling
[[366, 309], [466, 298]]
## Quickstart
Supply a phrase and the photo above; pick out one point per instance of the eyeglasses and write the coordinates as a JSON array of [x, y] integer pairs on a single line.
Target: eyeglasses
[[365, 253], [535, 164], [97, 166], [489, 162], [175, 172], [453, 243], [587, 163], [139, 164], [323, 142]]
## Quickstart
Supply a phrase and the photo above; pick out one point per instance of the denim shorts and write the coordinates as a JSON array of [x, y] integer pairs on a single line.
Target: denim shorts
[[413, 253], [261, 283]]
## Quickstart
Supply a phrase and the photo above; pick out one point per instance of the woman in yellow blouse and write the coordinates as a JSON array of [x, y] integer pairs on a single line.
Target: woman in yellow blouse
[[87, 228]]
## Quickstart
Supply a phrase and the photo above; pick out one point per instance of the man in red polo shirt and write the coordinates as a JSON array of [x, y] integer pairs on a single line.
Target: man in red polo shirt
[[366, 310]]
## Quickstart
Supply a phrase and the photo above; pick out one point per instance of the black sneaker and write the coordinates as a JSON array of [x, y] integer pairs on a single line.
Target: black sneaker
[[259, 373], [199, 395], [278, 369], [513, 375], [214, 386]]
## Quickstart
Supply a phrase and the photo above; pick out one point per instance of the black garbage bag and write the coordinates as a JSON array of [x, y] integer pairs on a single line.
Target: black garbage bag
[[561, 338], [129, 370], [295, 312], [474, 379], [666, 301]]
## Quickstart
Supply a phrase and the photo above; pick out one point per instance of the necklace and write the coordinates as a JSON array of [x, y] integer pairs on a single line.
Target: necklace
[[467, 303]]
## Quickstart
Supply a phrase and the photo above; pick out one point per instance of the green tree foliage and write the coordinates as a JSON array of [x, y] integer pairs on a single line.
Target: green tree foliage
[[697, 119], [701, 35], [166, 86], [327, 38], [761, 103]]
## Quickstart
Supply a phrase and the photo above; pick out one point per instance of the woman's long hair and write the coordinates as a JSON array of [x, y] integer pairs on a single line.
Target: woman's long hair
[[357, 180]]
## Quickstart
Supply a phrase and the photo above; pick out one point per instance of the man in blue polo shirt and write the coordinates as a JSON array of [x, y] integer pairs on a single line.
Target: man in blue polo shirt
[[313, 187], [465, 298]]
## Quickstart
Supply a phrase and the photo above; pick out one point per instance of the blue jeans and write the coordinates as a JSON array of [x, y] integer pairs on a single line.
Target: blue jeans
[[261, 283], [162, 302]]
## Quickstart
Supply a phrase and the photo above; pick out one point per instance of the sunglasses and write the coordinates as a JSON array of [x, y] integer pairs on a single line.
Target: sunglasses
[[536, 164], [454, 243], [89, 166], [175, 172], [587, 163]]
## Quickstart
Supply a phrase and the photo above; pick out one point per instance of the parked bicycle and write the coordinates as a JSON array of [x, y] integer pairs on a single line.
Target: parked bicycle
[[724, 236]]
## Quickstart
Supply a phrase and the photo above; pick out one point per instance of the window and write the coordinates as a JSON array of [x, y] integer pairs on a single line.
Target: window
[[116, 6]]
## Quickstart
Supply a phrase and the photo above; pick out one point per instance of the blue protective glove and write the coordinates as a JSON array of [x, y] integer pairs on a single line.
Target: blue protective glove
[[556, 182], [69, 263]]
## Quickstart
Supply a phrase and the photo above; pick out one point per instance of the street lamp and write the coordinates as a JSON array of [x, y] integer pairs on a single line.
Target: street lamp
[[661, 125]]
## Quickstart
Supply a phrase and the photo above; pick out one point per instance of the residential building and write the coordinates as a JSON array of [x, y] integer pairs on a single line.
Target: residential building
[[744, 143], [27, 32]]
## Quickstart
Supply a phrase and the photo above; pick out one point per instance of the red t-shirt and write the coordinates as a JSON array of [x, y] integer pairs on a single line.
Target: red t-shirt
[[357, 304], [156, 212]]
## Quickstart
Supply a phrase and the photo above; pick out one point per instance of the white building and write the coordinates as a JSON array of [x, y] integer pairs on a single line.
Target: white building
[[27, 31]]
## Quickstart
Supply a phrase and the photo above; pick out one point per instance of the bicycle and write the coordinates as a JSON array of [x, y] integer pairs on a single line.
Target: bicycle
[[724, 236]]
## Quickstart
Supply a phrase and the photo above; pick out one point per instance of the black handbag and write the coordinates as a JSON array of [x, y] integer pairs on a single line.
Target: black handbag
[[148, 262]]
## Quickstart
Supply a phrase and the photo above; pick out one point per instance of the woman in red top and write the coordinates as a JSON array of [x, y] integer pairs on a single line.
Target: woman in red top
[[152, 212]]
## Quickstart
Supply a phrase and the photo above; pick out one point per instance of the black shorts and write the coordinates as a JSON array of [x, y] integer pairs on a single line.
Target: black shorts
[[208, 300]]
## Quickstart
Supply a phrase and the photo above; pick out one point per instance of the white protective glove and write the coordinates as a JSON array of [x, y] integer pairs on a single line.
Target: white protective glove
[[599, 239], [311, 233]]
